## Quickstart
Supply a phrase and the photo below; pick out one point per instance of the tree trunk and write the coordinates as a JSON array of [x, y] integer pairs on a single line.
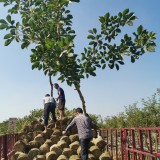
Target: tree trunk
[[50, 80], [81, 97]]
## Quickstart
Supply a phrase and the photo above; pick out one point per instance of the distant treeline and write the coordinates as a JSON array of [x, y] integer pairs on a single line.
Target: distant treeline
[[145, 114]]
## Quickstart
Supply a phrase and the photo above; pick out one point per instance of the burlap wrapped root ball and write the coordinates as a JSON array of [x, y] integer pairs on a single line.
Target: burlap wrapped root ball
[[54, 139], [33, 153], [35, 133], [51, 155], [56, 149], [95, 151], [30, 134], [67, 152], [91, 157], [57, 132], [34, 122], [79, 151], [74, 146], [47, 134], [44, 148], [62, 144], [74, 138], [74, 157], [66, 139], [25, 136], [34, 144], [16, 154], [49, 142], [65, 121], [105, 156], [39, 138], [20, 146], [62, 157], [40, 157], [91, 144], [23, 156], [99, 142], [51, 125], [38, 127], [27, 128]]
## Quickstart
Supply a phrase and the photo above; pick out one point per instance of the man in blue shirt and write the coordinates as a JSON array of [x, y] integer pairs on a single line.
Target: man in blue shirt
[[61, 99]]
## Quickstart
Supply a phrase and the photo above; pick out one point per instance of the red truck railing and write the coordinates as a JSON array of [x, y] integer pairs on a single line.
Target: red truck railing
[[6, 145], [133, 143], [123, 144]]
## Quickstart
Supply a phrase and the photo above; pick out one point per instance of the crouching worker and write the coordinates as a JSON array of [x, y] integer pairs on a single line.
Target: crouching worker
[[49, 106], [84, 127]]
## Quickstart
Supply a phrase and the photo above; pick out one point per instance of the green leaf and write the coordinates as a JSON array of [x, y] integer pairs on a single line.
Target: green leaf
[[93, 74], [104, 66], [83, 57], [35, 65], [40, 67], [132, 59], [97, 65], [90, 31], [133, 18], [92, 43], [102, 19], [117, 67], [3, 21], [87, 75], [3, 26], [75, 0], [46, 71], [94, 30], [71, 31], [139, 29], [120, 14], [151, 48], [24, 45], [111, 66], [130, 23], [7, 36], [69, 16], [106, 16], [90, 37], [102, 61], [8, 18], [68, 28], [12, 22], [118, 30], [125, 11], [121, 62], [13, 31], [8, 41]]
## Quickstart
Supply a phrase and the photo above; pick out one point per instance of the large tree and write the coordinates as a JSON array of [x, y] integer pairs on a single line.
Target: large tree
[[48, 25]]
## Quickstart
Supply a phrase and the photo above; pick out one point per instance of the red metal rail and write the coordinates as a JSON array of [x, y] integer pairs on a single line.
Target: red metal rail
[[6, 145], [133, 143], [124, 144]]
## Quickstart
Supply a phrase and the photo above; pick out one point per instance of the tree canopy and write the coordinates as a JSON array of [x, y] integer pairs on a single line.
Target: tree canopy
[[48, 25]]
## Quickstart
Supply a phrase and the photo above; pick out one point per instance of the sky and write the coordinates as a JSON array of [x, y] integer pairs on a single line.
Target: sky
[[22, 89]]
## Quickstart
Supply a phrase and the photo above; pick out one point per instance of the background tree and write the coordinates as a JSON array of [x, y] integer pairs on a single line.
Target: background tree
[[48, 25], [146, 115]]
